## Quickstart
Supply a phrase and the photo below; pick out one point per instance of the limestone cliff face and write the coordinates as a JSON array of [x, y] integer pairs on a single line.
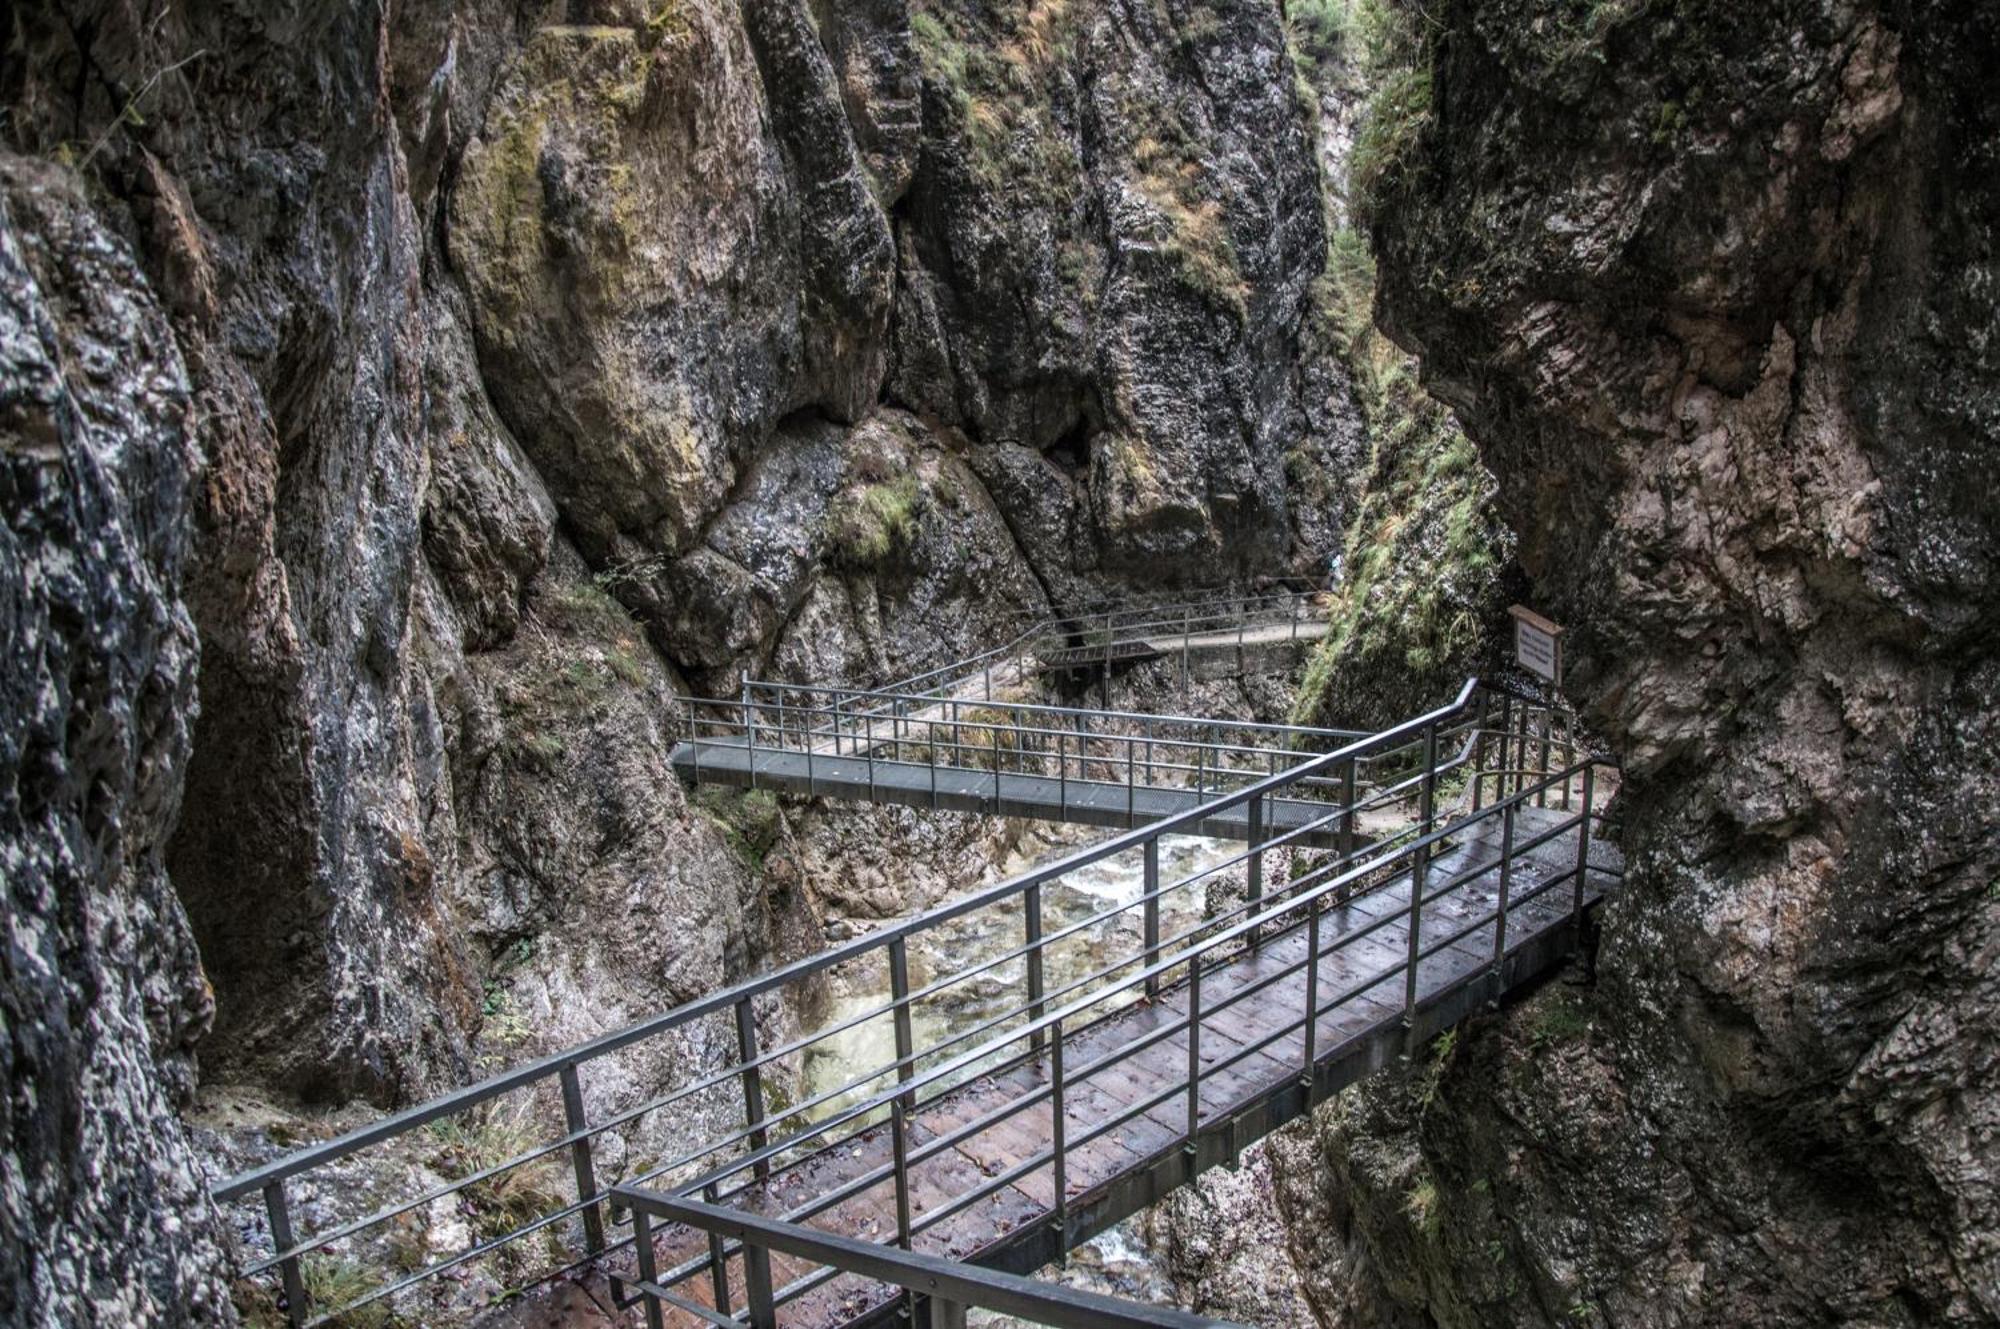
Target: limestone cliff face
[[1711, 287], [528, 364], [101, 993]]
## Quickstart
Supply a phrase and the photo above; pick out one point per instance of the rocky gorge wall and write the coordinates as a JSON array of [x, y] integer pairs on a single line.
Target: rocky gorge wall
[[469, 379], [1711, 288]]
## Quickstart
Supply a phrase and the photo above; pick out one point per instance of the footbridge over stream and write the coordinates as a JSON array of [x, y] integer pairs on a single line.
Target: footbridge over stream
[[999, 1102]]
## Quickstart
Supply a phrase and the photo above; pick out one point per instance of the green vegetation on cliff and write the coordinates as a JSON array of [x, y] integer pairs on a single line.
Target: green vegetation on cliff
[[1419, 578]]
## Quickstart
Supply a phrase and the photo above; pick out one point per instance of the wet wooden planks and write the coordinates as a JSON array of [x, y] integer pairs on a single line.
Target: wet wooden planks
[[1131, 1062]]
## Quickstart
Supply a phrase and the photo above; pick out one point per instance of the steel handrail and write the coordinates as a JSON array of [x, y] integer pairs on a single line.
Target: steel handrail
[[1288, 899]]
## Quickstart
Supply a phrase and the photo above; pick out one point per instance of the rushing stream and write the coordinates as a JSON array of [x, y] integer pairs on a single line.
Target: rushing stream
[[1118, 1260], [988, 933]]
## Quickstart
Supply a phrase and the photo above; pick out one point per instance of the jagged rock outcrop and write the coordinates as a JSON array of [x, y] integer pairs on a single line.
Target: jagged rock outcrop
[[545, 360], [103, 1207], [1711, 288]]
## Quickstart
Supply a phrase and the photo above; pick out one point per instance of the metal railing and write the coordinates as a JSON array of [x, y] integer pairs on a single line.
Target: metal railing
[[1014, 1006], [946, 1287], [1077, 753], [1108, 626]]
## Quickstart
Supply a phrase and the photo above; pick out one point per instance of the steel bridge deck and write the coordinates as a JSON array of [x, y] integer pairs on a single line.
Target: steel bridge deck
[[968, 789], [1118, 1174]]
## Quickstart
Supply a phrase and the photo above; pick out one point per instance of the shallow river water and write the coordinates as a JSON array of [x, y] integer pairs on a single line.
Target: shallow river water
[[1118, 1260]]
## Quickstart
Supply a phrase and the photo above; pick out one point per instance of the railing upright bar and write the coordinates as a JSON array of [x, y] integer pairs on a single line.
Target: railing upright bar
[[1569, 744], [1419, 874], [1506, 889], [1521, 748], [899, 990], [1583, 849], [1192, 1144], [1031, 912], [1151, 915], [1310, 1078], [578, 1124], [649, 1273], [296, 1302], [1255, 890], [1347, 800], [1428, 796], [1131, 783], [753, 1082], [718, 1260], [899, 1139], [763, 1309], [1479, 752], [1058, 1129], [749, 734], [1542, 761]]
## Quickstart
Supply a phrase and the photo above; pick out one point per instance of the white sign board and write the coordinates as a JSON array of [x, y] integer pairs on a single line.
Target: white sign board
[[1537, 644]]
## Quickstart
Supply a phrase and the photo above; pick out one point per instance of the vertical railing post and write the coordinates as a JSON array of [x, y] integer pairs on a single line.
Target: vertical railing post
[[1419, 873], [749, 735], [1479, 752], [1506, 890], [899, 1136], [810, 743], [1255, 891], [1521, 747], [1568, 746], [1192, 1146], [1131, 782], [753, 1082], [1311, 1075], [899, 990], [297, 1308], [757, 1286], [649, 1273], [1062, 768], [1031, 909], [1348, 797], [1058, 1133], [1429, 786], [579, 1155], [1583, 848], [1542, 761], [868, 749], [1151, 914], [718, 1258]]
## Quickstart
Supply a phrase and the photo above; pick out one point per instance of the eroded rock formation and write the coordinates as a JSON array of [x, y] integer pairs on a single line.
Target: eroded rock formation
[[527, 365], [1711, 286]]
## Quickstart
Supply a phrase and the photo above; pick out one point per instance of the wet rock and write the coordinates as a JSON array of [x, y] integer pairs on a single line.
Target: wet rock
[[1716, 342], [105, 1216]]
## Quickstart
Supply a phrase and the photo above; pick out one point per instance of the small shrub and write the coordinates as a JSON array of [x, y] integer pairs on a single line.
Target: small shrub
[[331, 1281], [1397, 114], [1424, 1209], [868, 525], [507, 1200], [1560, 1019]]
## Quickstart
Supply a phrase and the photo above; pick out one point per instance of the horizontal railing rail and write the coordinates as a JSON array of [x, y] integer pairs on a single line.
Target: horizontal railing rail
[[947, 1286], [1117, 623], [1043, 992]]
